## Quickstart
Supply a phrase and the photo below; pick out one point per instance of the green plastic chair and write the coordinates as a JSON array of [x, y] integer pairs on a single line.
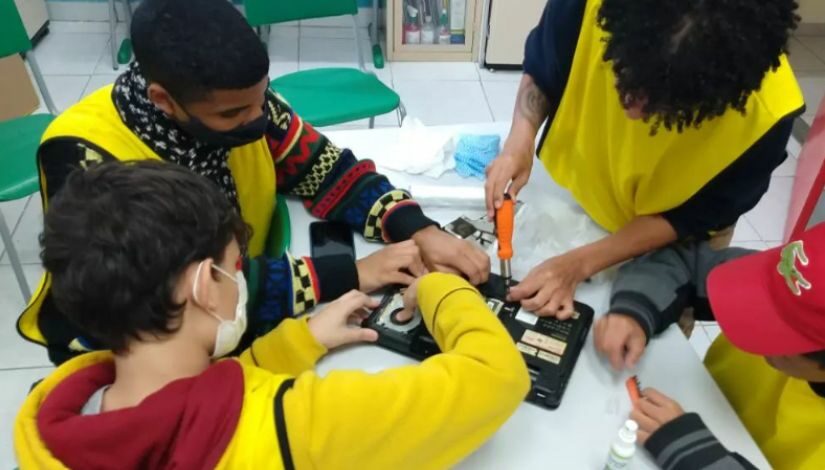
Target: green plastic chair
[[326, 96], [19, 137]]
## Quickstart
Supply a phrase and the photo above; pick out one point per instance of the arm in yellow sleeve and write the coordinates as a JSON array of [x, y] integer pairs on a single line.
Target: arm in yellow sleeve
[[422, 416], [288, 349]]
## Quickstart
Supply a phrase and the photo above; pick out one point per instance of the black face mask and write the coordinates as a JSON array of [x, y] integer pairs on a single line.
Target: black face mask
[[237, 137]]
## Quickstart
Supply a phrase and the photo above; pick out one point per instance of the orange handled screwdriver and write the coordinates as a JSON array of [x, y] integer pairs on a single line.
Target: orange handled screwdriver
[[504, 232]]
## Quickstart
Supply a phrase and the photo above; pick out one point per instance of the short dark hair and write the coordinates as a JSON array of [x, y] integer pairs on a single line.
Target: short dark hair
[[694, 59], [193, 47], [117, 237]]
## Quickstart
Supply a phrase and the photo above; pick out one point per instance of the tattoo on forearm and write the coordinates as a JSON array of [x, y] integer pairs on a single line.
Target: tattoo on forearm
[[532, 104]]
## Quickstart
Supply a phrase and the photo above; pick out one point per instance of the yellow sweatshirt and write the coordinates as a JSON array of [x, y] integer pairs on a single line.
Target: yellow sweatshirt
[[416, 417]]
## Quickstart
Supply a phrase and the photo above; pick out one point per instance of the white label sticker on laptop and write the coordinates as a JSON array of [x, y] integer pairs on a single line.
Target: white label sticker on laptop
[[527, 317], [549, 357], [530, 350], [544, 342]]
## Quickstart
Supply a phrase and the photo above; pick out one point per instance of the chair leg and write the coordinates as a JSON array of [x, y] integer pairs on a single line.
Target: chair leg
[[11, 252], [372, 122], [402, 113], [113, 33]]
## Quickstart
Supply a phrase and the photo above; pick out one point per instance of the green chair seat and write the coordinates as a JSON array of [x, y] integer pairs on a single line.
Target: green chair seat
[[329, 96], [19, 139]]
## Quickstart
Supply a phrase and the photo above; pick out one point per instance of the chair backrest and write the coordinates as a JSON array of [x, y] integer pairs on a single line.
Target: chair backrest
[[13, 36], [263, 12]]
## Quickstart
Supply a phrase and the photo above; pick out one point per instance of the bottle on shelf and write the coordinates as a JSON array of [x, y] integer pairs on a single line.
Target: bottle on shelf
[[428, 31], [412, 29], [444, 28]]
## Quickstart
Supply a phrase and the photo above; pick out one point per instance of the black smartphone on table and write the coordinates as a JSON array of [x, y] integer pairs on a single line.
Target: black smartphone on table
[[330, 239]]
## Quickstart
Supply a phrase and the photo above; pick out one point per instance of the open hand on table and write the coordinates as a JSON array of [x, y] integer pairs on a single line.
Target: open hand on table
[[445, 253], [510, 166], [400, 263], [548, 289], [338, 323], [653, 411], [621, 339]]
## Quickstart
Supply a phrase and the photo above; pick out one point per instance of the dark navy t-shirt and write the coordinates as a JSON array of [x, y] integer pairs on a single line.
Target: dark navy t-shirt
[[548, 59]]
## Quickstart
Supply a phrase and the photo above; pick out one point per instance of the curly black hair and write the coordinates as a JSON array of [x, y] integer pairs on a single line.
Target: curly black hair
[[117, 237], [692, 60]]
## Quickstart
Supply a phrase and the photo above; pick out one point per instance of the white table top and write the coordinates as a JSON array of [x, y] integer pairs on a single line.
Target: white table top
[[579, 433]]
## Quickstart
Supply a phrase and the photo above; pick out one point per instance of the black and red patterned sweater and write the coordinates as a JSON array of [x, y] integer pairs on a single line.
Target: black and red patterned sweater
[[333, 185]]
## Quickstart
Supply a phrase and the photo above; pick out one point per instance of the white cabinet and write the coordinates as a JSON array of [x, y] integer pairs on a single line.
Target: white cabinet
[[34, 14]]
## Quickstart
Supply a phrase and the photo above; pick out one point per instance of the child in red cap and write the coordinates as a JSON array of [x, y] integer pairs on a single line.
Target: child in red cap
[[769, 361]]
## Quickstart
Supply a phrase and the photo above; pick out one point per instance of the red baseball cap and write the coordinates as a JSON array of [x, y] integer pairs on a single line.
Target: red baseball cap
[[772, 303]]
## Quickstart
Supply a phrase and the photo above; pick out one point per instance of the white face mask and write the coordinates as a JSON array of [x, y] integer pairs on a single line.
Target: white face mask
[[229, 332]]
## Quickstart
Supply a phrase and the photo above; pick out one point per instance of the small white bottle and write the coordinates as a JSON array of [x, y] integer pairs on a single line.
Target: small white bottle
[[623, 448], [428, 31]]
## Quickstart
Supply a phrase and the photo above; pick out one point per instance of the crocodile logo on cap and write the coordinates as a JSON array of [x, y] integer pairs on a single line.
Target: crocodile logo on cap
[[788, 268]]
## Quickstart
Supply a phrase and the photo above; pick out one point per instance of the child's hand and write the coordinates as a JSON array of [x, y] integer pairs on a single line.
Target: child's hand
[[621, 339], [653, 411], [396, 264], [338, 323], [410, 302]]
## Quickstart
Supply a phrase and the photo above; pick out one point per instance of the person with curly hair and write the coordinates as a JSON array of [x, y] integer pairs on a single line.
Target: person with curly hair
[[664, 120]]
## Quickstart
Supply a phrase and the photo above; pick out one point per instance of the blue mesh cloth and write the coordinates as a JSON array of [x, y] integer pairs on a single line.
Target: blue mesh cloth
[[474, 152]]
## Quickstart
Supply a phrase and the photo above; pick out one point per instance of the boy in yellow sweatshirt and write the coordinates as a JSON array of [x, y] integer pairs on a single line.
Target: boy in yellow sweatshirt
[[146, 258]]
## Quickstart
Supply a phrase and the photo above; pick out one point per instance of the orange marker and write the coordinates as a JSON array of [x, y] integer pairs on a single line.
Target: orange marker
[[633, 389], [504, 232]]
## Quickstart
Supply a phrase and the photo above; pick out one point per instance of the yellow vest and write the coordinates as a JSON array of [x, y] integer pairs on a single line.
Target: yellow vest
[[612, 165], [255, 435], [96, 121], [783, 415]]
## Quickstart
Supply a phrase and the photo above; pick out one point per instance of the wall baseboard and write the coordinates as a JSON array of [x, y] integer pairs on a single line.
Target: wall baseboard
[[99, 11]]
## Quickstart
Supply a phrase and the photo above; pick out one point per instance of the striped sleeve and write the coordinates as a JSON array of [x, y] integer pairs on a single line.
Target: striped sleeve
[[686, 443], [334, 184]]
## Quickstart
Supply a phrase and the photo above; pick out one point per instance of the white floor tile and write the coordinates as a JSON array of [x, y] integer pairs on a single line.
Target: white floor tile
[[444, 102], [500, 75], [332, 32], [331, 50], [15, 386], [802, 59], [104, 64], [27, 233], [14, 350], [97, 82], [283, 31], [277, 69], [83, 27], [12, 210], [66, 89], [744, 231], [768, 217], [71, 53], [794, 147], [815, 44], [787, 168], [751, 245], [429, 71], [813, 87], [700, 342], [712, 331], [502, 99], [283, 49]]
